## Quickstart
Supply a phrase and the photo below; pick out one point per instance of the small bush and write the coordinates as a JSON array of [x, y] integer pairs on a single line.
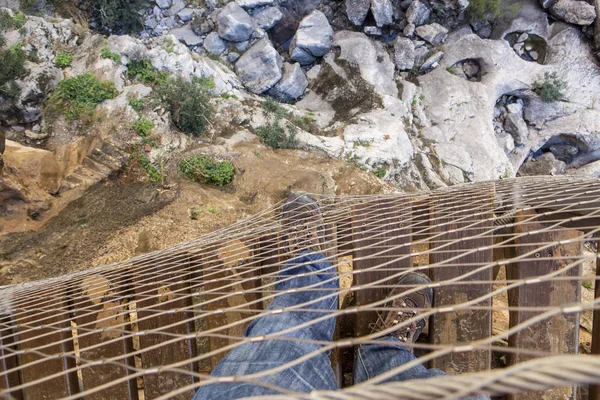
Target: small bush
[[204, 168], [154, 174], [63, 60], [550, 87], [143, 71], [490, 10], [272, 108], [78, 96], [143, 127], [137, 103], [116, 16], [188, 102], [275, 136], [13, 67], [106, 53], [19, 20]]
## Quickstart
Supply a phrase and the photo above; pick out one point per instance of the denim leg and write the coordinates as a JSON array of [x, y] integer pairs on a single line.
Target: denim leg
[[313, 374], [372, 360]]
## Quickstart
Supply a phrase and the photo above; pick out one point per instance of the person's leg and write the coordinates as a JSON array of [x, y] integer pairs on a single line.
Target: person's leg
[[372, 360], [309, 268]]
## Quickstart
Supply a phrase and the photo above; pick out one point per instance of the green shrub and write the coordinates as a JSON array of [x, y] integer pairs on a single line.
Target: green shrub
[[63, 60], [143, 127], [204, 168], [188, 102], [550, 87], [275, 136], [116, 16], [490, 10], [143, 71], [78, 96], [13, 67], [19, 20], [106, 53], [273, 108], [137, 103], [154, 174]]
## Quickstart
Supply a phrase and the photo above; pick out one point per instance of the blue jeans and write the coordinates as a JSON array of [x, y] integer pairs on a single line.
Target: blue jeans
[[315, 373]]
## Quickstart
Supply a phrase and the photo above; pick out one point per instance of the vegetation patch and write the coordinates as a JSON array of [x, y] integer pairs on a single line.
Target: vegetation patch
[[143, 71], [63, 60], [490, 10], [188, 101], [13, 67], [78, 96], [137, 103], [154, 174], [115, 16], [272, 133], [106, 53], [203, 168], [143, 127], [550, 87]]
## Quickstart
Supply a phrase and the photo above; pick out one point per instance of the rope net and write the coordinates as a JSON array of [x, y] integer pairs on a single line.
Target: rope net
[[508, 262]]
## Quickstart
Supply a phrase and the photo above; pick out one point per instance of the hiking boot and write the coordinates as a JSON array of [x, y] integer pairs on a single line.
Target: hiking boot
[[303, 224], [409, 305]]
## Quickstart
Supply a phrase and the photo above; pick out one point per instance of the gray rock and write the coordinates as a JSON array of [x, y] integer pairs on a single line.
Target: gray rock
[[313, 38], [545, 157], [506, 142], [151, 22], [534, 55], [534, 168], [433, 33], [186, 15], [259, 68], [373, 30], [35, 135], [564, 152], [357, 10], [164, 4], [233, 56], [404, 54], [547, 3], [186, 35], [574, 12], [409, 30], [175, 9], [418, 13], [431, 62], [421, 54], [255, 3], [214, 44], [515, 108], [516, 126], [383, 12], [523, 37], [471, 69], [234, 23], [292, 85], [156, 11], [168, 22], [267, 17], [242, 46]]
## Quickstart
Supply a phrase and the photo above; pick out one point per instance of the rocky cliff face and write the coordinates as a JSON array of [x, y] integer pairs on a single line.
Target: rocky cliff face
[[421, 93]]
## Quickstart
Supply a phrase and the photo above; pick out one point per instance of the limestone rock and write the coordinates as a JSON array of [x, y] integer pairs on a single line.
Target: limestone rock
[[357, 10], [418, 13], [164, 4], [534, 168], [255, 3], [214, 44], [516, 126], [383, 12], [404, 54], [259, 68], [433, 33], [186, 35], [234, 23], [267, 17], [40, 165], [313, 38], [576, 12], [186, 15], [292, 85], [431, 62], [175, 9]]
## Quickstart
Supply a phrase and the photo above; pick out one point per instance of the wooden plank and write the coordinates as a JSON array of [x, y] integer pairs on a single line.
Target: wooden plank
[[595, 389], [558, 334], [457, 230], [168, 292], [8, 359], [98, 305], [46, 327], [378, 228], [222, 268]]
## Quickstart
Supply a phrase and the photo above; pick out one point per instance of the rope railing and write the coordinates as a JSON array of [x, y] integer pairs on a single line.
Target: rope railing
[[508, 262]]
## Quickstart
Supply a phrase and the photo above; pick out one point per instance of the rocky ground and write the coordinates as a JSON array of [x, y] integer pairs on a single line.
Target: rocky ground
[[383, 95]]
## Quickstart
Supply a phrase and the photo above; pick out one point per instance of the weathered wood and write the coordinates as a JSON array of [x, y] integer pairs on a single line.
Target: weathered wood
[[458, 229], [45, 326], [168, 292], [8, 359], [378, 227], [595, 390], [558, 334], [98, 306]]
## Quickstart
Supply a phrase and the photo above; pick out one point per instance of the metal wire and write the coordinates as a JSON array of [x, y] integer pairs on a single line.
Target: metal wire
[[169, 316]]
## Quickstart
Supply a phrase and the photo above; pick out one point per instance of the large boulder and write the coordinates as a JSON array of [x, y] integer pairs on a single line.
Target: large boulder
[[267, 17], [383, 12], [434, 33], [214, 44], [357, 10], [574, 12], [404, 54], [417, 13], [259, 68], [234, 23], [186, 35], [39, 165], [292, 85], [313, 38]]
